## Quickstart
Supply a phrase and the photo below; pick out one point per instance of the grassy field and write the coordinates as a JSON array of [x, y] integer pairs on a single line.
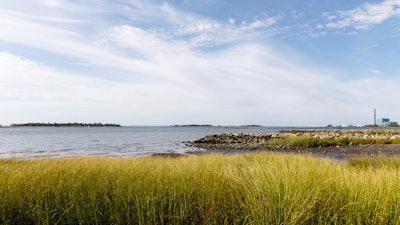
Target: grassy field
[[211, 189]]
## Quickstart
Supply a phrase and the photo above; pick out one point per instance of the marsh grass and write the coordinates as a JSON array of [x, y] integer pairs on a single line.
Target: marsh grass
[[211, 189], [310, 142], [375, 163]]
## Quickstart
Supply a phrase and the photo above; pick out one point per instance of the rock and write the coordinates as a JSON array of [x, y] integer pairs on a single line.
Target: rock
[[395, 137]]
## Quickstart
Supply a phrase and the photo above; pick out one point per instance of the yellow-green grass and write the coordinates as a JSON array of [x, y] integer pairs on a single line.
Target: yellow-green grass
[[309, 142], [211, 189]]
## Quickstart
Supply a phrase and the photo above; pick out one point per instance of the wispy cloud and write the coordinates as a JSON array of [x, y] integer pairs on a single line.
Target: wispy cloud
[[66, 37], [364, 16], [375, 71], [153, 63], [236, 84]]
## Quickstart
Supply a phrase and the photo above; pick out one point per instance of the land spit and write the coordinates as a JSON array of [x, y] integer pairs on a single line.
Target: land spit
[[337, 144]]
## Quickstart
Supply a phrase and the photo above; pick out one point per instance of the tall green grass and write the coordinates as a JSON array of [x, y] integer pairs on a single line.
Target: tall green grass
[[310, 142], [212, 189]]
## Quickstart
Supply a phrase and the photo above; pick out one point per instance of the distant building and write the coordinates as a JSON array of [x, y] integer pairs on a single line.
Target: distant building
[[385, 122]]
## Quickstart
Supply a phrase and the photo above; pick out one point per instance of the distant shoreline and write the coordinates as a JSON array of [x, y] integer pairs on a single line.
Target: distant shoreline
[[336, 144], [20, 125]]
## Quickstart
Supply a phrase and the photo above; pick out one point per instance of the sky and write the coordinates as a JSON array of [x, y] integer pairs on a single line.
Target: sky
[[219, 62]]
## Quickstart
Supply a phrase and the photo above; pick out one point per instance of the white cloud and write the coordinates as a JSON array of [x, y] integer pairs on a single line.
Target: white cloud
[[20, 76], [51, 3], [200, 26], [262, 23], [162, 75], [73, 42], [242, 83], [196, 29], [375, 71], [364, 16]]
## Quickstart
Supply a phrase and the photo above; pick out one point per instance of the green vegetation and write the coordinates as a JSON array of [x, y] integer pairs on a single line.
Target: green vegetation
[[211, 189], [65, 125], [375, 163], [310, 142]]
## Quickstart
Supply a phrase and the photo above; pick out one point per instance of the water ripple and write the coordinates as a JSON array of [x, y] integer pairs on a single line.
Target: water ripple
[[124, 141]]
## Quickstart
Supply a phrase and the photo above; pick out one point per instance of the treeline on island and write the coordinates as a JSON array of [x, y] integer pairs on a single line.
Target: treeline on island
[[65, 125]]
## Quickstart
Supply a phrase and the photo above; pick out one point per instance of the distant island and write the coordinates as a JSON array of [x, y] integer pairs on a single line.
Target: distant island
[[65, 125]]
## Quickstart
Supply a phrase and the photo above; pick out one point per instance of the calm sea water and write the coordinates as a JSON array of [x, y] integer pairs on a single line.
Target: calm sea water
[[123, 141]]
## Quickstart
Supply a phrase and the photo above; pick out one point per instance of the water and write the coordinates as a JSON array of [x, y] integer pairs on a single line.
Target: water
[[112, 141]]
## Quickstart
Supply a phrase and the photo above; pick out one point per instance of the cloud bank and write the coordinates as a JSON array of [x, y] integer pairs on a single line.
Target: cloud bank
[[156, 65]]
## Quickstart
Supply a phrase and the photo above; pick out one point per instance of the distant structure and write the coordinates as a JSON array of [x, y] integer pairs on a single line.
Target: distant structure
[[385, 122]]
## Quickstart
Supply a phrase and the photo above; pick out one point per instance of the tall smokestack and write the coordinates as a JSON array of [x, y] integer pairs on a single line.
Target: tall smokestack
[[374, 117]]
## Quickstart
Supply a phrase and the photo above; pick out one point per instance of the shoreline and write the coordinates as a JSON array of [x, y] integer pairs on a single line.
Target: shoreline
[[334, 144], [61, 125]]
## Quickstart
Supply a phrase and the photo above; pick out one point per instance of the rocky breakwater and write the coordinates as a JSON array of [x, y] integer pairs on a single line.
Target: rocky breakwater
[[232, 141], [283, 140]]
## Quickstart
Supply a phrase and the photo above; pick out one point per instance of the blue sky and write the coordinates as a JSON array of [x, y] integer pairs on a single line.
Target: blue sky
[[133, 62]]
